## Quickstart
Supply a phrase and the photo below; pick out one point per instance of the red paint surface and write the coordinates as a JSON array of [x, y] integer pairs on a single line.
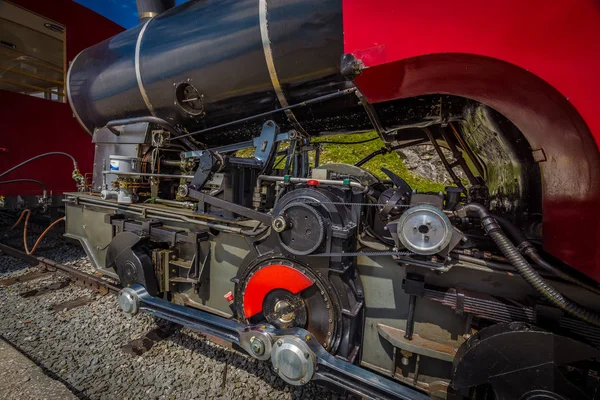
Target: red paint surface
[[269, 278], [31, 126], [534, 61]]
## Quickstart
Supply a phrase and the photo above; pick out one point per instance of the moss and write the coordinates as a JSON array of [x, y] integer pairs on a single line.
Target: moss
[[351, 154]]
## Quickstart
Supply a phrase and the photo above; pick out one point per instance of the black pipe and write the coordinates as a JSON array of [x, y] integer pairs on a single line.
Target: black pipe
[[369, 157], [25, 180], [151, 8], [511, 230], [531, 276], [442, 158], [52, 153], [385, 150], [410, 320], [527, 248]]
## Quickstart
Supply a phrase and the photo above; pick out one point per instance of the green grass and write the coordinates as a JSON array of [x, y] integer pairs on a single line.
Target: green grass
[[352, 153]]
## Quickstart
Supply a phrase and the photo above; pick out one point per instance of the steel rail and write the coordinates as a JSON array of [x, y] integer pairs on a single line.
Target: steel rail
[[87, 280]]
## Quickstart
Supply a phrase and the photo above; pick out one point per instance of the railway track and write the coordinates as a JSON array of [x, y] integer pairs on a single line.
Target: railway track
[[47, 265], [66, 320]]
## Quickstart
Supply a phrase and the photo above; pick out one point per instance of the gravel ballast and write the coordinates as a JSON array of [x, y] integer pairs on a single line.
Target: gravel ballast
[[83, 347]]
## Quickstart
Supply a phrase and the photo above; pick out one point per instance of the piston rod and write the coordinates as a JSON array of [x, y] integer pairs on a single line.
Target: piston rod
[[148, 174], [261, 342], [330, 182]]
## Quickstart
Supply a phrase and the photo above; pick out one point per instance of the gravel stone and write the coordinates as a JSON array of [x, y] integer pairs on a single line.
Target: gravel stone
[[83, 346]]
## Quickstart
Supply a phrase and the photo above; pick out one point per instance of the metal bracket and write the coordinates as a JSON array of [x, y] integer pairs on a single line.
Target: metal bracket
[[416, 344], [265, 143], [281, 137], [373, 117]]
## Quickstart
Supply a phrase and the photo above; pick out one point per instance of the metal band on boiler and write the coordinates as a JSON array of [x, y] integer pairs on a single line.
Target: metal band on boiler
[[264, 33], [138, 72]]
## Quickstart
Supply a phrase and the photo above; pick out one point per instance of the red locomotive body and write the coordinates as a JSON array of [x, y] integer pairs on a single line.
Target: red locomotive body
[[535, 62]]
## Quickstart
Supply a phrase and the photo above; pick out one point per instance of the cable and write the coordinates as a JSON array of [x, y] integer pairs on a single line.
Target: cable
[[20, 218], [517, 260], [359, 142], [39, 239], [75, 166], [526, 248], [25, 180]]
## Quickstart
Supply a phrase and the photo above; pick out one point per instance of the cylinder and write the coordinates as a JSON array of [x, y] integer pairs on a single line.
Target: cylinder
[[151, 8], [205, 63]]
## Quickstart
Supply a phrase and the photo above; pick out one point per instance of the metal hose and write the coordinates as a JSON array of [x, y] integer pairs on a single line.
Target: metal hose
[[52, 153], [527, 248], [516, 259]]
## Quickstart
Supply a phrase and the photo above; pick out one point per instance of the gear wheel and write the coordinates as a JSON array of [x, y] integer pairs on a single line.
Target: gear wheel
[[315, 308]]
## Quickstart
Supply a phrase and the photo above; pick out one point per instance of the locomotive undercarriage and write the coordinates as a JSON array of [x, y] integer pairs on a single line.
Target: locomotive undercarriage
[[297, 263]]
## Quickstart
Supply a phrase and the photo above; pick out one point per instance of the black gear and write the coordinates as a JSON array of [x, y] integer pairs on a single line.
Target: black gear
[[306, 229]]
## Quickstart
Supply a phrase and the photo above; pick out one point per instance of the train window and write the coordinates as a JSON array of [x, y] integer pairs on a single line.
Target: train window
[[32, 53]]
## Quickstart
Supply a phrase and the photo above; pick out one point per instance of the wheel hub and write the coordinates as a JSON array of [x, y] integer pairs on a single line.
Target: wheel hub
[[311, 308], [284, 309]]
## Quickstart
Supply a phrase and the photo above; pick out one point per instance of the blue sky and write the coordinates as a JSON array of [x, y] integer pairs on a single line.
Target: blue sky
[[123, 12]]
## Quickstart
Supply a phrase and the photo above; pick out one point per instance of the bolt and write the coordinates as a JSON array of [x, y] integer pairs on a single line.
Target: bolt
[[302, 381], [426, 238], [276, 369], [307, 337], [257, 346], [404, 361], [279, 343], [306, 355]]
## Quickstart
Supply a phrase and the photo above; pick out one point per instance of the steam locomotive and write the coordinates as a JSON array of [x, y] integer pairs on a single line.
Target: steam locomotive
[[486, 290]]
